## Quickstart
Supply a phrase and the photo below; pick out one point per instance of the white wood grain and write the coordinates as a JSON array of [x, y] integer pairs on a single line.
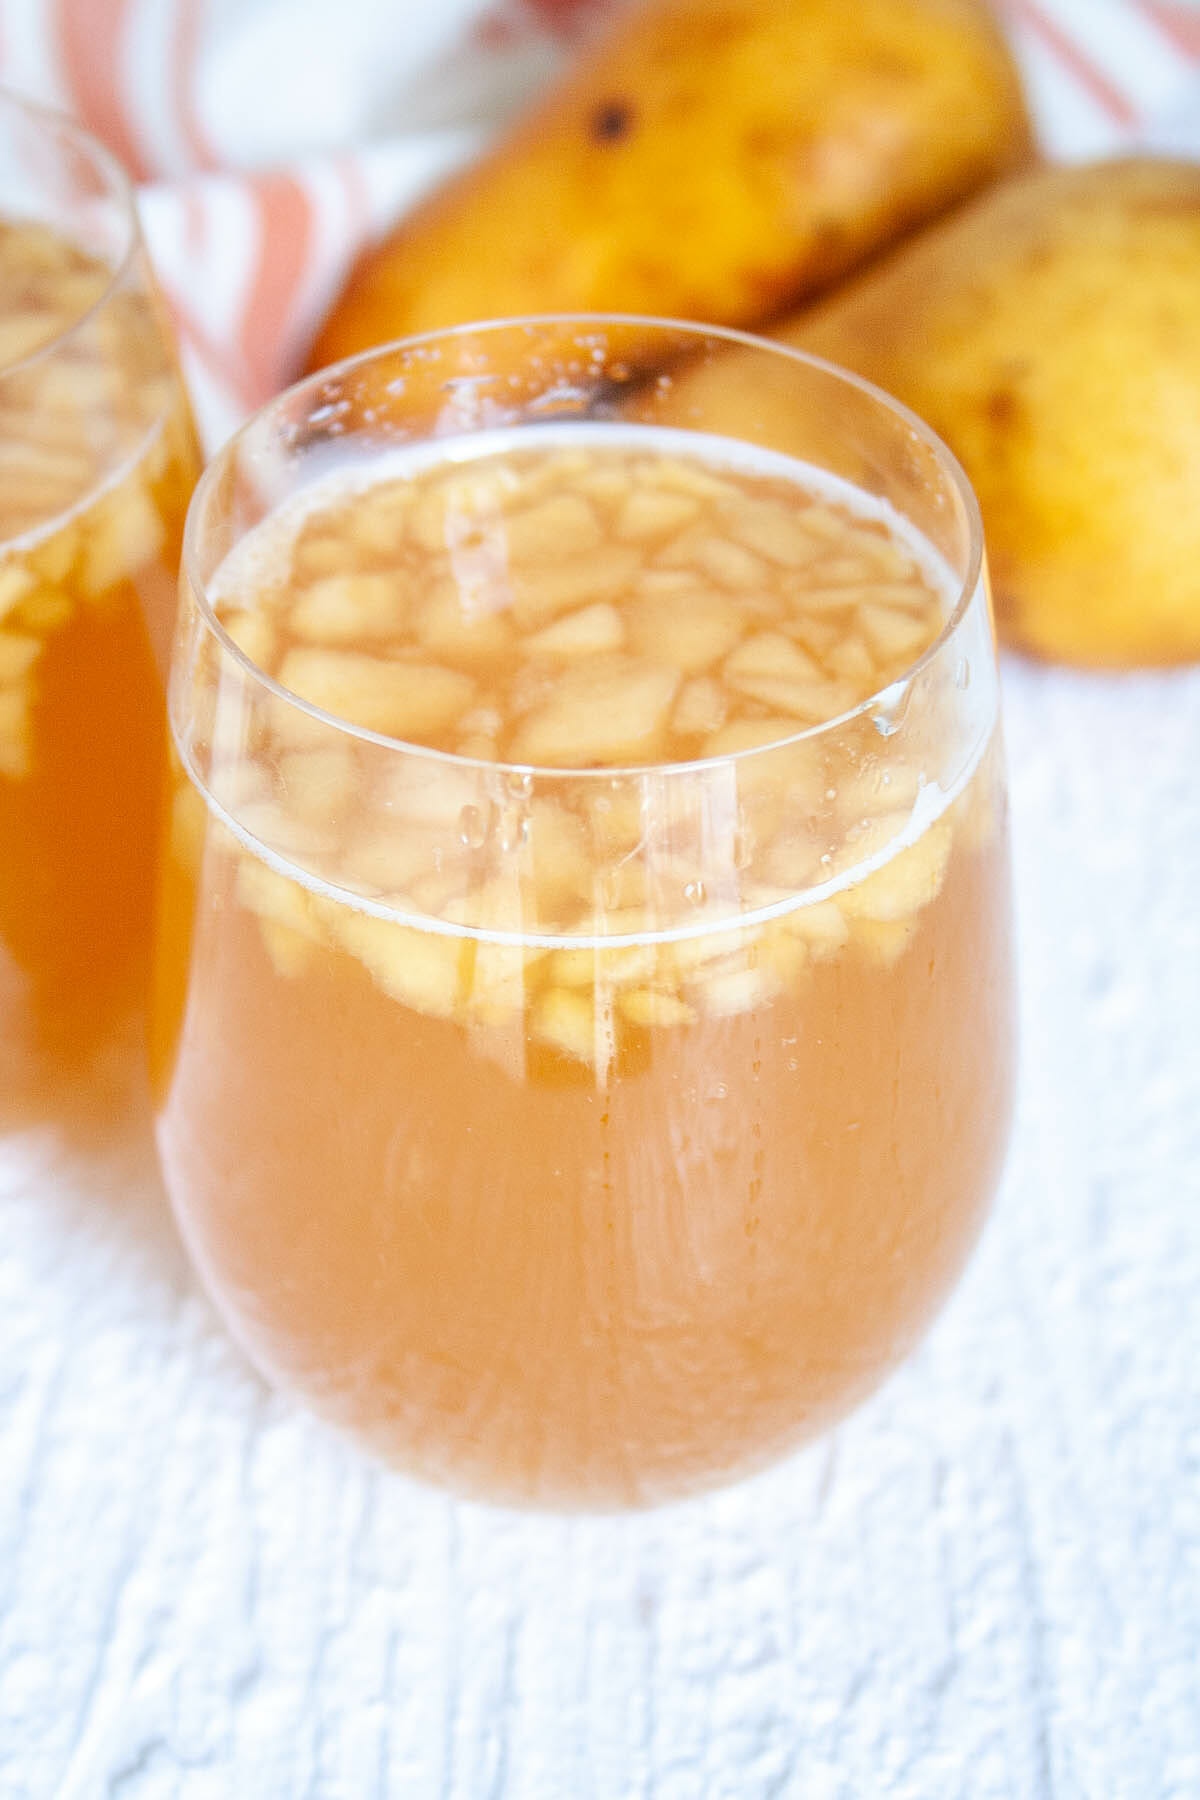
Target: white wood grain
[[986, 1585]]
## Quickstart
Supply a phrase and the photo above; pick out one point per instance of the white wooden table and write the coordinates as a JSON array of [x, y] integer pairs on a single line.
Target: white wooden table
[[986, 1584]]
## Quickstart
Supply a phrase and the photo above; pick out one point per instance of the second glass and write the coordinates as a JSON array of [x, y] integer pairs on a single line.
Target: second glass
[[97, 462], [582, 1031]]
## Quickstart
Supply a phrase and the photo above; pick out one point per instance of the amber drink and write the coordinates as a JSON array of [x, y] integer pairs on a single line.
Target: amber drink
[[97, 462], [582, 1028]]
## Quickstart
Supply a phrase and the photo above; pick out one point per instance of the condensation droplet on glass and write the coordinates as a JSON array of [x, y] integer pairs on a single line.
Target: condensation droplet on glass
[[696, 892], [885, 724], [514, 829], [520, 783], [472, 828], [718, 1091], [831, 793], [962, 675], [610, 889]]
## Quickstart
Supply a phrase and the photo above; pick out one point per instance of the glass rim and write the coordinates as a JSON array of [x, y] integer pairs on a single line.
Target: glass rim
[[119, 184], [968, 583]]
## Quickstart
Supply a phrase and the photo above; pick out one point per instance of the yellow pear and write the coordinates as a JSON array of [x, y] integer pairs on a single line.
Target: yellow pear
[[710, 159], [1050, 332]]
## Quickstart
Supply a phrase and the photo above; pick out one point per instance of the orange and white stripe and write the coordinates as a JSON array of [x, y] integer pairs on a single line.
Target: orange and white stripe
[[1097, 71]]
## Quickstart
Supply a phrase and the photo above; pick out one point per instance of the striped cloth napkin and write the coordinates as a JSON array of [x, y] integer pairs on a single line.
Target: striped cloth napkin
[[235, 117]]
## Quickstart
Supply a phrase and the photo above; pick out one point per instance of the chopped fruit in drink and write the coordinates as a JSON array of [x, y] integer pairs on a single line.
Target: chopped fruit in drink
[[730, 565], [623, 965], [647, 1006], [676, 476], [885, 940], [273, 896], [785, 955], [599, 479], [575, 968], [589, 632], [456, 510], [290, 951], [820, 637], [617, 888], [850, 659], [319, 553], [793, 860], [691, 957], [390, 864], [906, 883], [348, 609], [839, 601], [16, 581], [582, 611], [808, 702], [853, 574], [541, 594], [880, 786], [564, 526], [187, 827], [430, 796], [771, 529], [700, 708], [725, 992], [400, 699], [254, 634], [565, 1019], [893, 634], [652, 513], [770, 653], [499, 982], [46, 610], [282, 830], [15, 734], [461, 626], [560, 854], [318, 784], [120, 535], [822, 926], [18, 653], [608, 714], [689, 632], [421, 969]]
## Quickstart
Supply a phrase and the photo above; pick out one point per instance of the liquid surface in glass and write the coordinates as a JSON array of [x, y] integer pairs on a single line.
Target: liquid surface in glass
[[581, 1145], [97, 462]]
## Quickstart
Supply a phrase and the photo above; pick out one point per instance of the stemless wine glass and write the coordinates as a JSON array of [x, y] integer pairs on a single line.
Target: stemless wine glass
[[97, 461], [582, 1036]]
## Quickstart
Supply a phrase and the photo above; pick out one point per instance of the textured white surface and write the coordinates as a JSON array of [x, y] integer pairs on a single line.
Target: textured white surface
[[986, 1584]]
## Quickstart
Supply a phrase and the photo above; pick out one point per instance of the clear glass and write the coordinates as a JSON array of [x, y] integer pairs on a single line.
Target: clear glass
[[581, 1189], [97, 462]]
